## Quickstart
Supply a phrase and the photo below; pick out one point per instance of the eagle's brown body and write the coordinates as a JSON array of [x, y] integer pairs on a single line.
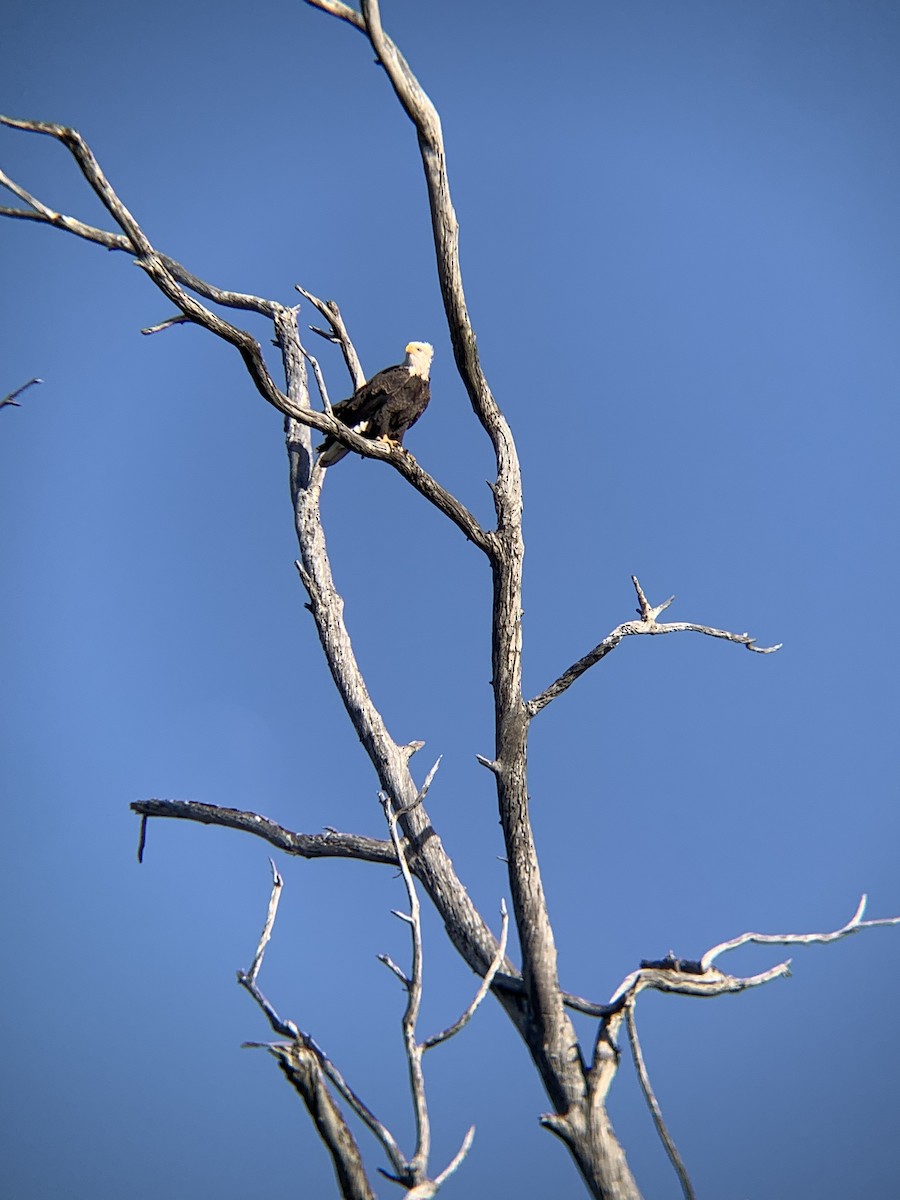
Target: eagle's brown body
[[387, 405]]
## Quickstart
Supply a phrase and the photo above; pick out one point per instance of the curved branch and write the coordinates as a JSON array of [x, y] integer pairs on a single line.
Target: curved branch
[[698, 977], [854, 925], [172, 279], [445, 1034]]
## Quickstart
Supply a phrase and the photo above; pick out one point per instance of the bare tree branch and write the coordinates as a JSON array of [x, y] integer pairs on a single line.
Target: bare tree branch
[[534, 999], [306, 1066], [457, 1158], [653, 1104], [10, 398], [277, 885], [854, 925], [437, 1038], [698, 977], [330, 844], [301, 1062], [339, 334], [303, 1071], [540, 1013], [647, 625], [172, 280], [417, 1166]]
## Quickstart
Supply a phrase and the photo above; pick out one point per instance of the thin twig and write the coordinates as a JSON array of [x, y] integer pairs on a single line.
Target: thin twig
[[301, 1042], [457, 1158], [180, 319], [339, 334], [248, 979], [437, 1038], [365, 1114], [320, 380], [418, 1164], [429, 779], [656, 1111], [10, 399], [277, 885], [699, 977], [854, 925]]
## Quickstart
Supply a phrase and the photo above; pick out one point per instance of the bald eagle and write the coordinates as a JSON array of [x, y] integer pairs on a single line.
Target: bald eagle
[[385, 407]]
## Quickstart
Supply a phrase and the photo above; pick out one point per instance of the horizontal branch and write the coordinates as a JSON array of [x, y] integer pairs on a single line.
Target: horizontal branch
[[854, 925], [647, 624], [698, 977], [330, 844]]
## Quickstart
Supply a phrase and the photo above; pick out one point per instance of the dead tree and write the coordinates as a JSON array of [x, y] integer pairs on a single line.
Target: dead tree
[[576, 1077]]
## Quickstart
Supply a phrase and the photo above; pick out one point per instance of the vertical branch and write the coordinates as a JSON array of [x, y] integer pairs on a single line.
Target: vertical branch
[[554, 1039], [653, 1104], [419, 1162], [464, 924]]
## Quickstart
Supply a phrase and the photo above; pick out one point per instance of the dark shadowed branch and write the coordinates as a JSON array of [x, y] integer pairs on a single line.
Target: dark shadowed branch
[[330, 844]]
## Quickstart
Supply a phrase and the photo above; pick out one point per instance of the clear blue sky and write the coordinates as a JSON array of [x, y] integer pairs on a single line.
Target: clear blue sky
[[681, 245]]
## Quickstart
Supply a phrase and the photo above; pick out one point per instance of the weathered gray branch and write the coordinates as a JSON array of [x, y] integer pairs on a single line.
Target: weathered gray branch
[[647, 624], [172, 279], [330, 844], [696, 977], [302, 1069], [303, 1066], [339, 334], [854, 925], [415, 1172], [539, 1011]]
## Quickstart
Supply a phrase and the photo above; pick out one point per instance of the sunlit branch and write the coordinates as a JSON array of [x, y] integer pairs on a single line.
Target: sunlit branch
[[332, 314], [437, 1038], [305, 1064], [647, 624], [854, 925]]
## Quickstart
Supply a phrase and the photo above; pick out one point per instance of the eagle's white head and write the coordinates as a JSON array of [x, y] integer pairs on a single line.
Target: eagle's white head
[[418, 358]]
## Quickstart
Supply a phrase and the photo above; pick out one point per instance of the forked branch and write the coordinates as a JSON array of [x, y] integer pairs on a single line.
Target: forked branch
[[648, 624], [176, 283], [416, 1169], [696, 977]]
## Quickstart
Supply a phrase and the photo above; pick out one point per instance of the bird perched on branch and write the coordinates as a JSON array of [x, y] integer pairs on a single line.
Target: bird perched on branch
[[385, 407]]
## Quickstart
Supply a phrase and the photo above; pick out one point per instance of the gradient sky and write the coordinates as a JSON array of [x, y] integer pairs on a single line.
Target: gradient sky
[[681, 247]]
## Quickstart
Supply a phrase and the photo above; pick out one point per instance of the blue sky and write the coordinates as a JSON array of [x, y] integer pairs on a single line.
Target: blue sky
[[682, 258]]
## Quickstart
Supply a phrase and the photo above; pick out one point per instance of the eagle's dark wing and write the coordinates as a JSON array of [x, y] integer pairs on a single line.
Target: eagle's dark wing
[[386, 406], [402, 401]]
